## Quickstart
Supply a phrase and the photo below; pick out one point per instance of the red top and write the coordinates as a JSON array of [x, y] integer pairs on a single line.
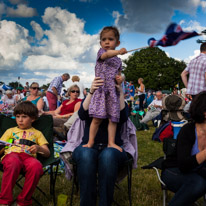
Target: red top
[[66, 109]]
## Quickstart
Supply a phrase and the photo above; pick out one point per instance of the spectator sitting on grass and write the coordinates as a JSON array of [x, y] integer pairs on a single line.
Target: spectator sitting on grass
[[154, 108]]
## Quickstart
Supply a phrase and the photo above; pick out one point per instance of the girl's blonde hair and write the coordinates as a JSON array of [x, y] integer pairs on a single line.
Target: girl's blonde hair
[[141, 79], [75, 78]]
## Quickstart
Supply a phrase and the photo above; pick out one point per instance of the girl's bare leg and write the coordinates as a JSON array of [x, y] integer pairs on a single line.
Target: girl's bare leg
[[93, 131], [112, 127]]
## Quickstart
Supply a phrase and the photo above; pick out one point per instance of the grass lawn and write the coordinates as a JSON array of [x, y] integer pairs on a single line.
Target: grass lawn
[[146, 189]]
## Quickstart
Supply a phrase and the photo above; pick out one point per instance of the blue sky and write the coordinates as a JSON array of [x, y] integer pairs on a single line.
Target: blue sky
[[41, 39]]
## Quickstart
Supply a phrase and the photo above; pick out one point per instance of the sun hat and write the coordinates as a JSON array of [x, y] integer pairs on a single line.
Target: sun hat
[[174, 105], [8, 92]]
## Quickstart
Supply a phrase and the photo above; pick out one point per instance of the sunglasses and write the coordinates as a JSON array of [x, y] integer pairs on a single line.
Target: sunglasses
[[34, 88], [75, 91]]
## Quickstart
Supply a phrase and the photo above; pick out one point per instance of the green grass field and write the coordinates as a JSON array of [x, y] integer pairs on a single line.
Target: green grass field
[[146, 190]]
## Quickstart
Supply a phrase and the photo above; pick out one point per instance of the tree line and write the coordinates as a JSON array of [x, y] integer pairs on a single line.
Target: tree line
[[159, 71]]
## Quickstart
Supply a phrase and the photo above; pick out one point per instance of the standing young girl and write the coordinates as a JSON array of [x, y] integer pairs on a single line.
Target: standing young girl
[[105, 100]]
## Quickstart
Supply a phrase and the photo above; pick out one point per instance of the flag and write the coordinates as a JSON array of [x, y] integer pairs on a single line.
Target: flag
[[172, 36]]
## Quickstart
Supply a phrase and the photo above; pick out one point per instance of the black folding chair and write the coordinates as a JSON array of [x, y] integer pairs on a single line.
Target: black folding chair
[[45, 125], [169, 149]]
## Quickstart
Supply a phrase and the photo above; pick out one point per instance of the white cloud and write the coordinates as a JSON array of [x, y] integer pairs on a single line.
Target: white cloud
[[167, 53], [196, 53], [125, 56], [182, 22], [203, 5], [151, 16], [193, 26], [13, 43], [21, 11], [38, 30], [65, 47], [44, 62]]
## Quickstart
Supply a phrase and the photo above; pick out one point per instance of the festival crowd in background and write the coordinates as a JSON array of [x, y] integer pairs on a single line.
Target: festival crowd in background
[[110, 109]]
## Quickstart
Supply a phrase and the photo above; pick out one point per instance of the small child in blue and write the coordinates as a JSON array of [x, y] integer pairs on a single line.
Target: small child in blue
[[105, 101]]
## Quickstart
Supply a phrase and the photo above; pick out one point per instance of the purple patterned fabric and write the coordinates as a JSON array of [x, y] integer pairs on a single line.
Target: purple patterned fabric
[[57, 83], [197, 70], [105, 100]]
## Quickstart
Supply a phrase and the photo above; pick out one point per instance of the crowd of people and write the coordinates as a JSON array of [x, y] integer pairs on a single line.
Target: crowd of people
[[105, 111]]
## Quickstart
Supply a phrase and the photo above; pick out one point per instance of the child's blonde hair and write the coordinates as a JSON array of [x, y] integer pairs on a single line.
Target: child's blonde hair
[[111, 28]]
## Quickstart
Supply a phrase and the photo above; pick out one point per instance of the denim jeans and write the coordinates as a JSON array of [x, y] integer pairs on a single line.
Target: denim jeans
[[104, 161], [187, 187]]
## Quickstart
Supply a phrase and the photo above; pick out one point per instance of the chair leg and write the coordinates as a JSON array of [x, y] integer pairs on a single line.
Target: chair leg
[[164, 192], [53, 177], [54, 182]]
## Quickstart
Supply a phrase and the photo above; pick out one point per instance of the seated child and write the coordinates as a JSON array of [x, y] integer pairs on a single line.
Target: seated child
[[21, 156]]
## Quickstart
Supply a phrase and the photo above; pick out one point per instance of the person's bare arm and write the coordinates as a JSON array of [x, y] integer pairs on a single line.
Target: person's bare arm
[[97, 82], [85, 92], [119, 81], [112, 53], [55, 112], [55, 91], [141, 88], [40, 104], [76, 108], [201, 156], [157, 106], [184, 77], [43, 150]]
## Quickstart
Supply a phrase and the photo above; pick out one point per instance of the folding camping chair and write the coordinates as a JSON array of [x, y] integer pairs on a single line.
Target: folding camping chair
[[169, 147], [128, 168], [172, 111], [45, 125]]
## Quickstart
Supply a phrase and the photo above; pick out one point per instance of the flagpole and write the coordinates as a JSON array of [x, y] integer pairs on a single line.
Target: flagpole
[[138, 48]]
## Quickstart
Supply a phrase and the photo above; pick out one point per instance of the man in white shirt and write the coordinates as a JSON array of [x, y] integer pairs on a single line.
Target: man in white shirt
[[154, 108]]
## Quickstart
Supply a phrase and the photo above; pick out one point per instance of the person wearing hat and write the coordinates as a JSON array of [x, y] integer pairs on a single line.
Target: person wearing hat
[[196, 70], [154, 108], [9, 99], [184, 173], [173, 106]]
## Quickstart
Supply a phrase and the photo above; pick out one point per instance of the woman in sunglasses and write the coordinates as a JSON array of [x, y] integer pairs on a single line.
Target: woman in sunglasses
[[67, 108], [34, 96]]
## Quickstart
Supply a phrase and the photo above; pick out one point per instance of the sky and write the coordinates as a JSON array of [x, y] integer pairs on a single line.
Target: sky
[[42, 39]]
